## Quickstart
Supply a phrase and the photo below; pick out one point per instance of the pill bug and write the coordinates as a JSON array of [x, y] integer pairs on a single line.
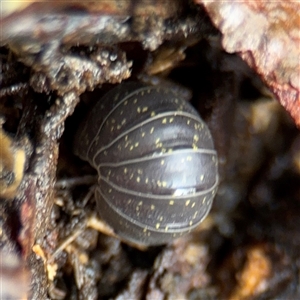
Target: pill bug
[[156, 162]]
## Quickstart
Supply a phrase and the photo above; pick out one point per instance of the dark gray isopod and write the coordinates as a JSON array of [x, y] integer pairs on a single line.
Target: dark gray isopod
[[156, 162]]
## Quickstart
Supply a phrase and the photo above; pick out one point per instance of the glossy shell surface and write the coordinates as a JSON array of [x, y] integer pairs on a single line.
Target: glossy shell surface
[[155, 159]]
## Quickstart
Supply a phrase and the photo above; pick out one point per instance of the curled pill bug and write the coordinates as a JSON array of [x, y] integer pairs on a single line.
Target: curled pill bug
[[156, 162]]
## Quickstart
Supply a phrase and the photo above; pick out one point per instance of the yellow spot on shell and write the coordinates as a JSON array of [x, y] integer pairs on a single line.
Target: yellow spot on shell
[[138, 179], [151, 130], [187, 202], [171, 202], [162, 162], [152, 207], [152, 114], [145, 108], [189, 158], [171, 120], [157, 225], [164, 121]]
